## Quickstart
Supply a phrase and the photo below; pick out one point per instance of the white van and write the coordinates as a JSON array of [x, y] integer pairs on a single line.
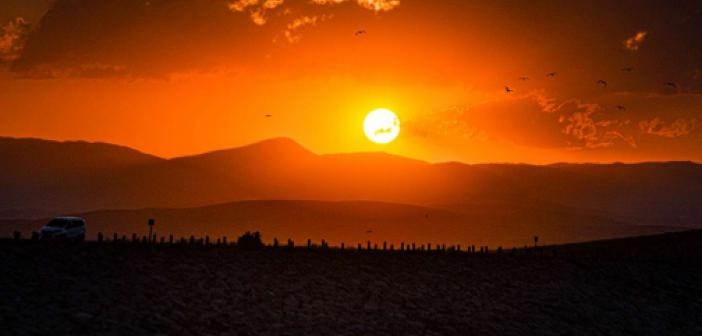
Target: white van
[[64, 228]]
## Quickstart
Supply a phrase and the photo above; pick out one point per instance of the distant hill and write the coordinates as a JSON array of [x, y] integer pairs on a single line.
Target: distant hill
[[47, 178], [355, 222]]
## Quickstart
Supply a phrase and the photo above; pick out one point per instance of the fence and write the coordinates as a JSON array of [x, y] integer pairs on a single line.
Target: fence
[[369, 246]]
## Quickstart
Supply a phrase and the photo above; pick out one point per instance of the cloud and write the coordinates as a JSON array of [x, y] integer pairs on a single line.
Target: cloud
[[592, 133], [291, 30], [13, 38], [374, 5], [259, 10], [680, 127], [634, 43], [533, 120]]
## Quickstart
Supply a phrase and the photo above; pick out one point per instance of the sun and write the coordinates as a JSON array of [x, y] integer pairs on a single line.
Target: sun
[[381, 126]]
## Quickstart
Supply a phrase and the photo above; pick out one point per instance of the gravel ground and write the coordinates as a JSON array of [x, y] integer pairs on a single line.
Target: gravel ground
[[642, 286]]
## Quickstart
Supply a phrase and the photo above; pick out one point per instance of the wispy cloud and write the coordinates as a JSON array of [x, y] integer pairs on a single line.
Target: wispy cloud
[[14, 35], [259, 10], [592, 133], [679, 127], [374, 5], [634, 43], [291, 29]]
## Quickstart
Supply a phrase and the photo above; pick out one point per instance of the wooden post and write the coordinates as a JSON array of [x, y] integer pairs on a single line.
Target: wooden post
[[151, 229], [536, 241], [192, 240], [342, 246], [368, 245], [402, 246], [385, 246], [359, 247], [429, 247], [115, 237], [375, 246], [392, 247], [224, 240], [134, 238], [99, 237], [413, 246], [207, 240], [170, 239], [163, 240], [275, 242]]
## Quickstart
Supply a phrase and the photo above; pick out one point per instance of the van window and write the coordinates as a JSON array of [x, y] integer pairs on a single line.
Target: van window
[[76, 224], [58, 223]]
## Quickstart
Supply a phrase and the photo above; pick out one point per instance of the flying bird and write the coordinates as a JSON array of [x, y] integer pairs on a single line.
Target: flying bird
[[268, 115], [523, 78], [621, 107], [551, 74], [369, 231], [602, 82], [627, 69], [508, 89], [360, 32], [672, 85]]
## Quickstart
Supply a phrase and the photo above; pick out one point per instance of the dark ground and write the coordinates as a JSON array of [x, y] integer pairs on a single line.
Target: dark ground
[[638, 286]]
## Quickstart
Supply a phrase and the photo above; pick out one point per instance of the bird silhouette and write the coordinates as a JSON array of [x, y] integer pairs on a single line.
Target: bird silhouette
[[602, 82], [369, 231], [360, 32], [551, 74], [627, 69], [523, 78], [508, 89], [383, 131], [268, 115], [621, 107], [672, 85]]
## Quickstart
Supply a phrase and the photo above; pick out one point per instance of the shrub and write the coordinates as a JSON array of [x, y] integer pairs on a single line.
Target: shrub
[[250, 241]]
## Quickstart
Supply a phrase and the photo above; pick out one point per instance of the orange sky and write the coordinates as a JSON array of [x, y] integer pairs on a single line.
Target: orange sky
[[181, 77]]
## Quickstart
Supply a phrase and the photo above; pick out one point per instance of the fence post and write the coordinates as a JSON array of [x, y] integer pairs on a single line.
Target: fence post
[[402, 246], [342, 246], [99, 237], [163, 240], [385, 246], [224, 240], [170, 239], [359, 247], [115, 237], [392, 247], [207, 240], [413, 247], [134, 237]]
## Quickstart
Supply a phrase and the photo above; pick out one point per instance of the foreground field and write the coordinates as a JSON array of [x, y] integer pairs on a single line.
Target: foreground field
[[646, 285]]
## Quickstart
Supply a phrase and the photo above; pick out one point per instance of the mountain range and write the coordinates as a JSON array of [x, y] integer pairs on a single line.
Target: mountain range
[[41, 179]]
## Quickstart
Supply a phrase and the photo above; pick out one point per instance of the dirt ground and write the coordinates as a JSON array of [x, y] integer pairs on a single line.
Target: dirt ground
[[641, 286]]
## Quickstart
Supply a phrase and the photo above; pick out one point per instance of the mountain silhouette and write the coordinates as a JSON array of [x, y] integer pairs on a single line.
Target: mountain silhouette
[[48, 178]]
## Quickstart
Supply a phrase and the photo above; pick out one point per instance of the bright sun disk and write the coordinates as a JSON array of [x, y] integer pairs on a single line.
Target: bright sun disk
[[381, 126]]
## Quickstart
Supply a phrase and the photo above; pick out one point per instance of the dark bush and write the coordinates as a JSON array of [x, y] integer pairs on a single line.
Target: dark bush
[[250, 241]]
